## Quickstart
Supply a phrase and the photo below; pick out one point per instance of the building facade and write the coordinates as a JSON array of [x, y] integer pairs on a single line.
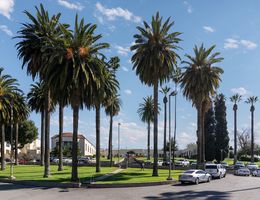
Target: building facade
[[7, 149], [86, 148]]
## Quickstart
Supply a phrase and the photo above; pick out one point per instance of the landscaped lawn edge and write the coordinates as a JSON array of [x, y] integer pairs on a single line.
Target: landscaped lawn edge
[[46, 184], [121, 185]]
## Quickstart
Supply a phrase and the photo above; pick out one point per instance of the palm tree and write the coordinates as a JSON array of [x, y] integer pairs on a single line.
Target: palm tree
[[8, 87], [112, 108], [76, 68], [146, 114], [36, 102], [20, 113], [235, 99], [252, 100], [165, 91], [32, 49], [154, 60], [176, 79], [199, 83]]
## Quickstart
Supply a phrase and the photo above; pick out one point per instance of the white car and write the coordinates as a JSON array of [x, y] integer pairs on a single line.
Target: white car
[[216, 170], [256, 172], [252, 166], [182, 162], [194, 176], [160, 163], [242, 172]]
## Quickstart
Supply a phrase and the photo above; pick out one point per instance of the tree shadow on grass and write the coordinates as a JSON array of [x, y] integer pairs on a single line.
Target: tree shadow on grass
[[124, 176]]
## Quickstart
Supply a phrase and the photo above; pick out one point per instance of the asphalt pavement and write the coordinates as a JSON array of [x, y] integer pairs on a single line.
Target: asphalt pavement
[[231, 187]]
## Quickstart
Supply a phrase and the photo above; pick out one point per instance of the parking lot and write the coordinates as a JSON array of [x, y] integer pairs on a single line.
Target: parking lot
[[231, 187]]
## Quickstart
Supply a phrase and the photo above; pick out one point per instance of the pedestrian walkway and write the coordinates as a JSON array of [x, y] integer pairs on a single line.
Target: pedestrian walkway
[[100, 178]]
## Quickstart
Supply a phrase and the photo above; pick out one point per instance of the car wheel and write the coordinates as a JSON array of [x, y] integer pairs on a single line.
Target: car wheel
[[197, 181], [209, 179], [225, 175], [220, 176], [182, 182]]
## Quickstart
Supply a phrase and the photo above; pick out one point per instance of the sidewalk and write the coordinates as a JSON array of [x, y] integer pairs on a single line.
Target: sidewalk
[[100, 178]]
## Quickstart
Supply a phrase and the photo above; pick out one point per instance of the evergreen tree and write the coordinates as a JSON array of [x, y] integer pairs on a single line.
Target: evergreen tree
[[222, 138], [209, 128]]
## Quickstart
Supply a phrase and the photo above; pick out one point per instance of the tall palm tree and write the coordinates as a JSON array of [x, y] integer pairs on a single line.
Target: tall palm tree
[[20, 113], [252, 100], [235, 99], [199, 82], [112, 108], [154, 60], [165, 91], [35, 37], [76, 68], [176, 79], [146, 114], [8, 88], [36, 102]]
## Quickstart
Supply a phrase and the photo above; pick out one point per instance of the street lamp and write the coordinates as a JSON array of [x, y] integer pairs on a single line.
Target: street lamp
[[170, 141], [11, 142], [118, 142]]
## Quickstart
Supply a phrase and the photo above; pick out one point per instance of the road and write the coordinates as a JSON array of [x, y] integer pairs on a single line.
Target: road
[[231, 187]]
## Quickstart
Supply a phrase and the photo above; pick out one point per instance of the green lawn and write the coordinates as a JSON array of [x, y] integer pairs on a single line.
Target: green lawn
[[135, 175], [230, 161], [35, 173]]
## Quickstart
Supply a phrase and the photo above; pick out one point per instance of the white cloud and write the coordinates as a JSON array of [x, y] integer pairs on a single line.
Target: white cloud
[[231, 43], [248, 44], [208, 29], [112, 14], [123, 51], [6, 8], [6, 30], [188, 6], [128, 92], [125, 69], [185, 138], [241, 90], [73, 6]]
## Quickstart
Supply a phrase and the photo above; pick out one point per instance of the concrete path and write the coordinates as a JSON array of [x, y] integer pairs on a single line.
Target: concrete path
[[100, 178]]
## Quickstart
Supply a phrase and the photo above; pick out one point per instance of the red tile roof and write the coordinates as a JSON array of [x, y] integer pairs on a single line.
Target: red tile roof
[[69, 134]]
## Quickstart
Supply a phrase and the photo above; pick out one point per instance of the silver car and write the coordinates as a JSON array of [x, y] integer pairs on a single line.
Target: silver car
[[256, 172], [194, 176]]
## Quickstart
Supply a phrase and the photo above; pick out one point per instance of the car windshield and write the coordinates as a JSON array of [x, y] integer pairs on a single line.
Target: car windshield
[[211, 166], [189, 172]]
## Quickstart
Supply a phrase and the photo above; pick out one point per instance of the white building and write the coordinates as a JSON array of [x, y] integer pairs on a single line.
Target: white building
[[31, 151], [85, 146], [7, 149]]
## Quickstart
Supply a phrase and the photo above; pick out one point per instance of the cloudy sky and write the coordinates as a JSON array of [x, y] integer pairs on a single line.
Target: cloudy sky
[[232, 25]]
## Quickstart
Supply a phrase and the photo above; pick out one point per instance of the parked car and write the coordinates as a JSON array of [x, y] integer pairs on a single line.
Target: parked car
[[83, 160], [242, 172], [193, 165], [160, 163], [22, 162], [215, 170], [55, 160], [194, 176], [239, 165], [256, 172], [251, 166], [182, 163], [224, 164]]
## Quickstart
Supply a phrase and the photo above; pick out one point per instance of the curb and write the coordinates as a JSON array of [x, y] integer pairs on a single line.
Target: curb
[[123, 185], [45, 184]]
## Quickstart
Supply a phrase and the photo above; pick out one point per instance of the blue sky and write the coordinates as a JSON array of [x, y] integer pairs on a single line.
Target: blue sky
[[232, 25]]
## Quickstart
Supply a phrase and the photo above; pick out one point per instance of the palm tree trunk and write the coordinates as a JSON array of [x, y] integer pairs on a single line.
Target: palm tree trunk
[[155, 129], [61, 109], [2, 146], [148, 142], [164, 135], [47, 136], [235, 134], [42, 137], [74, 172], [98, 138], [110, 138], [202, 137], [252, 134], [198, 135], [16, 143]]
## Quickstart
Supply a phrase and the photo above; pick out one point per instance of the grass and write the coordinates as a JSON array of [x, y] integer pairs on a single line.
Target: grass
[[230, 162], [135, 175], [35, 173]]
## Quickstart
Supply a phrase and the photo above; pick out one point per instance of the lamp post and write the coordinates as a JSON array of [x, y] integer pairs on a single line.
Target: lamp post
[[170, 141], [118, 142], [11, 141]]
